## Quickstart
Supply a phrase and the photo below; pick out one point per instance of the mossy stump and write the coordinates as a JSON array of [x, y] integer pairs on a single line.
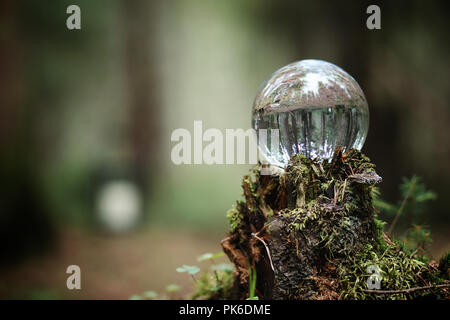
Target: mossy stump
[[311, 231]]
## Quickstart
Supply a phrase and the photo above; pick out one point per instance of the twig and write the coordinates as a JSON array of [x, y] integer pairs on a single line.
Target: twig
[[343, 190], [399, 212], [407, 290], [335, 195], [267, 249], [351, 170], [387, 239], [262, 229]]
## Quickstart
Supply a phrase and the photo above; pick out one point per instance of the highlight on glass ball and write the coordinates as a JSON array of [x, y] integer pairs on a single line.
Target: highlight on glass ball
[[309, 107]]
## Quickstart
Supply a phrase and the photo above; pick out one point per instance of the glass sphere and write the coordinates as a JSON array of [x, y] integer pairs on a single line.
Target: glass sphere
[[309, 107]]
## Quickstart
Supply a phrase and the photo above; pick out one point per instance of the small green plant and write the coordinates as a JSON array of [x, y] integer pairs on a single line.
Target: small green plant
[[223, 267], [146, 295], [150, 294], [417, 239], [210, 256], [252, 284], [214, 284], [415, 197], [173, 288], [191, 270]]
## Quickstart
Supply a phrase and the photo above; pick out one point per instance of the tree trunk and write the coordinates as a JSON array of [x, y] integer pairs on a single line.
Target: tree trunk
[[304, 230]]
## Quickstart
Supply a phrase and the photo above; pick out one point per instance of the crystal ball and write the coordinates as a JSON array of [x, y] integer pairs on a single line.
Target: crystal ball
[[309, 107]]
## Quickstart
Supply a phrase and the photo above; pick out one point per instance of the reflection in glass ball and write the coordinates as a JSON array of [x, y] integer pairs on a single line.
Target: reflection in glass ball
[[315, 106]]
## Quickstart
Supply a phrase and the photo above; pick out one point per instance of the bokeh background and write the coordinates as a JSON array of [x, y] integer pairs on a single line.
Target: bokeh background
[[86, 118]]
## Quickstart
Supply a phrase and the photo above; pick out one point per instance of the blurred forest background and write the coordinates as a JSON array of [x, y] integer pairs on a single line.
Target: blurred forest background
[[86, 118]]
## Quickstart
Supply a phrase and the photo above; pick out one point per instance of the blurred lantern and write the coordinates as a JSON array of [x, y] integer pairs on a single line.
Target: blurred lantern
[[119, 205]]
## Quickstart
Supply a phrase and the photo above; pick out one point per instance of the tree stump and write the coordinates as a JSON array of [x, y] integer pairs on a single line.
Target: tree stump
[[310, 231]]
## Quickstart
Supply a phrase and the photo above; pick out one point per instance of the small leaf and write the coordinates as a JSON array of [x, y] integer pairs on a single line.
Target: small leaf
[[150, 294], [210, 256], [205, 256], [226, 267], [216, 288], [428, 195], [218, 255], [173, 288], [189, 269]]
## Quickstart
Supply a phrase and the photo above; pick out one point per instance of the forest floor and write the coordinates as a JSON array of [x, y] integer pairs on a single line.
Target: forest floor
[[117, 267], [112, 267]]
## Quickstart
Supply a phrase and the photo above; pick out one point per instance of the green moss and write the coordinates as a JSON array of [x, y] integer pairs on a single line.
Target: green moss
[[398, 271], [248, 180], [235, 216], [302, 215], [379, 231]]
